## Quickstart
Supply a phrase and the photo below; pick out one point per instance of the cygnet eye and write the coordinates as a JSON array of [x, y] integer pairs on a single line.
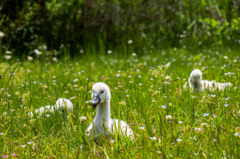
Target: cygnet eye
[[101, 91]]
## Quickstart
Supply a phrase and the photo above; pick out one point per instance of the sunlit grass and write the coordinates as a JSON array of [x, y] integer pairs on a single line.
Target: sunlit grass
[[167, 121]]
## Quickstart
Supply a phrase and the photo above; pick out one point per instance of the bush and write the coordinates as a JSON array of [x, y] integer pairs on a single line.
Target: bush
[[79, 24]]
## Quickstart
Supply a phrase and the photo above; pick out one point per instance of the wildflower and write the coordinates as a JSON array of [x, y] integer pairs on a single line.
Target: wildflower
[[168, 117], [120, 85], [215, 140], [122, 103], [214, 116], [139, 76], [47, 115], [198, 129], [151, 79], [226, 105], [164, 96], [180, 122], [153, 138], [82, 119], [109, 51], [1, 34], [164, 106], [118, 75], [206, 114], [140, 84], [5, 113], [23, 146], [30, 58], [213, 95], [29, 143], [141, 127], [225, 57], [236, 134], [130, 41], [4, 156], [131, 81], [227, 98], [1, 133], [178, 140], [13, 154], [66, 92], [128, 96], [134, 54], [129, 76], [153, 101], [7, 57], [55, 59], [204, 124], [81, 51], [12, 110], [112, 141], [37, 52], [151, 86], [168, 78]]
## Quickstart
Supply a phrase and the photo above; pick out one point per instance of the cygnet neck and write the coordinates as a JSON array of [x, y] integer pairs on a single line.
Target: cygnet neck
[[103, 111]]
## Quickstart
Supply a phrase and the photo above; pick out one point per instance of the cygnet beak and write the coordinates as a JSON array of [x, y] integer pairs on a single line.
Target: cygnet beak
[[96, 100]]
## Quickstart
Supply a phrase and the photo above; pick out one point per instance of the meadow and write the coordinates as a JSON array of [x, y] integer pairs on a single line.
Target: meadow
[[167, 121]]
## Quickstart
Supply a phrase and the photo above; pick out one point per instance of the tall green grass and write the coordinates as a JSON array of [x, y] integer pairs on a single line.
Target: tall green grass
[[202, 125]]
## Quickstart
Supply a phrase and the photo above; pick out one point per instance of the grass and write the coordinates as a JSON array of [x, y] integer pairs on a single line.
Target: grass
[[199, 125]]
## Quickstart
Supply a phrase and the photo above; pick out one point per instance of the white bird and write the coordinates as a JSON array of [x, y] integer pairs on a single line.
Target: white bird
[[62, 105], [196, 83], [102, 123]]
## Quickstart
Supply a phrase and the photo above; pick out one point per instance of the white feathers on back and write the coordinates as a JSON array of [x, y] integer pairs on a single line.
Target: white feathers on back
[[62, 104], [197, 84]]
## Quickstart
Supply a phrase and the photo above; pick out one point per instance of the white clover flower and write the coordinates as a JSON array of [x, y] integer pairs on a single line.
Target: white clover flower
[[168, 117], [134, 54], [81, 51], [130, 41], [82, 119], [204, 124], [30, 58], [37, 52], [1, 34], [7, 57], [153, 138], [168, 78], [55, 59], [8, 52]]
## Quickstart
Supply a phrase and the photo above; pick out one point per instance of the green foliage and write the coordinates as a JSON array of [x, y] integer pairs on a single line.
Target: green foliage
[[79, 24]]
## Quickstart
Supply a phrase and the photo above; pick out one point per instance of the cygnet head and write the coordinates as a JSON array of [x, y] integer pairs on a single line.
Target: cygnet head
[[195, 78], [100, 93]]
